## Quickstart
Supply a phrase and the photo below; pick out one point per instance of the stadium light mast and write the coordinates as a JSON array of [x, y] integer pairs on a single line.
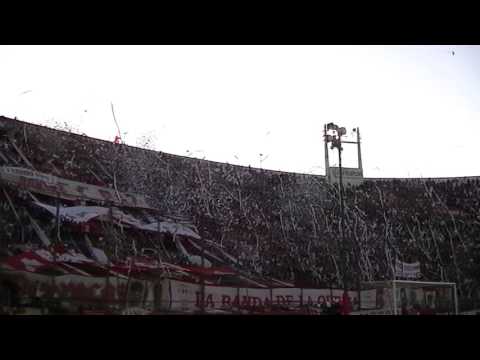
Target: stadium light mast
[[336, 142]]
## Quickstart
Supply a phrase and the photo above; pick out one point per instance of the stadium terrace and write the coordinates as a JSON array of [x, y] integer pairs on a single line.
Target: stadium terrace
[[96, 227]]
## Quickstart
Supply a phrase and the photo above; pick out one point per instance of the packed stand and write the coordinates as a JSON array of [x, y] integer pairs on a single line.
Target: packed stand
[[276, 225]]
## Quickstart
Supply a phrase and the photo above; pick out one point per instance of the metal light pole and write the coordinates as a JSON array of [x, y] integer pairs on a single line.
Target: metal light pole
[[337, 143]]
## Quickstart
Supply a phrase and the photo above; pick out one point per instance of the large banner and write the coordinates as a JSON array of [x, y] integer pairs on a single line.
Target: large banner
[[168, 294], [50, 185], [83, 214], [184, 296], [77, 214], [117, 291]]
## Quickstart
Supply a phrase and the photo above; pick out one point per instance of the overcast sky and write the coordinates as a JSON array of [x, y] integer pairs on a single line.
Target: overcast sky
[[418, 107]]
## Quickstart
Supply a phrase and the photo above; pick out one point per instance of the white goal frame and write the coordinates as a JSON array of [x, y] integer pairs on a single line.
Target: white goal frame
[[394, 284]]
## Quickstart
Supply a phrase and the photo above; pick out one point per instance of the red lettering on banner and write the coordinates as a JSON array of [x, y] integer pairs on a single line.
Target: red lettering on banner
[[280, 300], [245, 301], [255, 301], [209, 301], [289, 299], [226, 300], [236, 301]]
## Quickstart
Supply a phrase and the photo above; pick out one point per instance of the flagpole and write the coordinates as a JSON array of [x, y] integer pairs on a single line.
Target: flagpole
[[394, 297], [394, 270], [359, 152], [107, 278], [128, 282], [55, 241], [394, 285], [57, 218], [202, 277]]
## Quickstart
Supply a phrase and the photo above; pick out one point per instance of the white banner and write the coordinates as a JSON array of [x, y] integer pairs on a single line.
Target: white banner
[[407, 270], [352, 176], [54, 186], [78, 214], [184, 296], [82, 214]]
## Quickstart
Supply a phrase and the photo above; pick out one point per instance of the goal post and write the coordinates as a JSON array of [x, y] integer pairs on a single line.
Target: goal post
[[404, 297]]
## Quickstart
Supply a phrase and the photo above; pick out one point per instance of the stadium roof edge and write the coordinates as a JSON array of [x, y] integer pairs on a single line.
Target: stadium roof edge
[[162, 152], [322, 177]]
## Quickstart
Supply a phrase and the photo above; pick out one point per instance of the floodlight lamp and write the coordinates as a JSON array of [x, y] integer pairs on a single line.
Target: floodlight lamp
[[332, 126], [342, 131]]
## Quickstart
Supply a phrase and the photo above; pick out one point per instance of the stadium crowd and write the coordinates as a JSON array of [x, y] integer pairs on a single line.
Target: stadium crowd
[[279, 225]]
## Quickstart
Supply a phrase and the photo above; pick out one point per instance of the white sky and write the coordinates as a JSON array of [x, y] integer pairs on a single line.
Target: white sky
[[418, 107]]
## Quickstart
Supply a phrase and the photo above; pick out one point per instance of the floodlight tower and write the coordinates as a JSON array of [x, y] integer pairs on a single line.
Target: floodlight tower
[[336, 142]]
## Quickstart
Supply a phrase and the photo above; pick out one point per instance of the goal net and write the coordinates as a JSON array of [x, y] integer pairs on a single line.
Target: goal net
[[402, 297]]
